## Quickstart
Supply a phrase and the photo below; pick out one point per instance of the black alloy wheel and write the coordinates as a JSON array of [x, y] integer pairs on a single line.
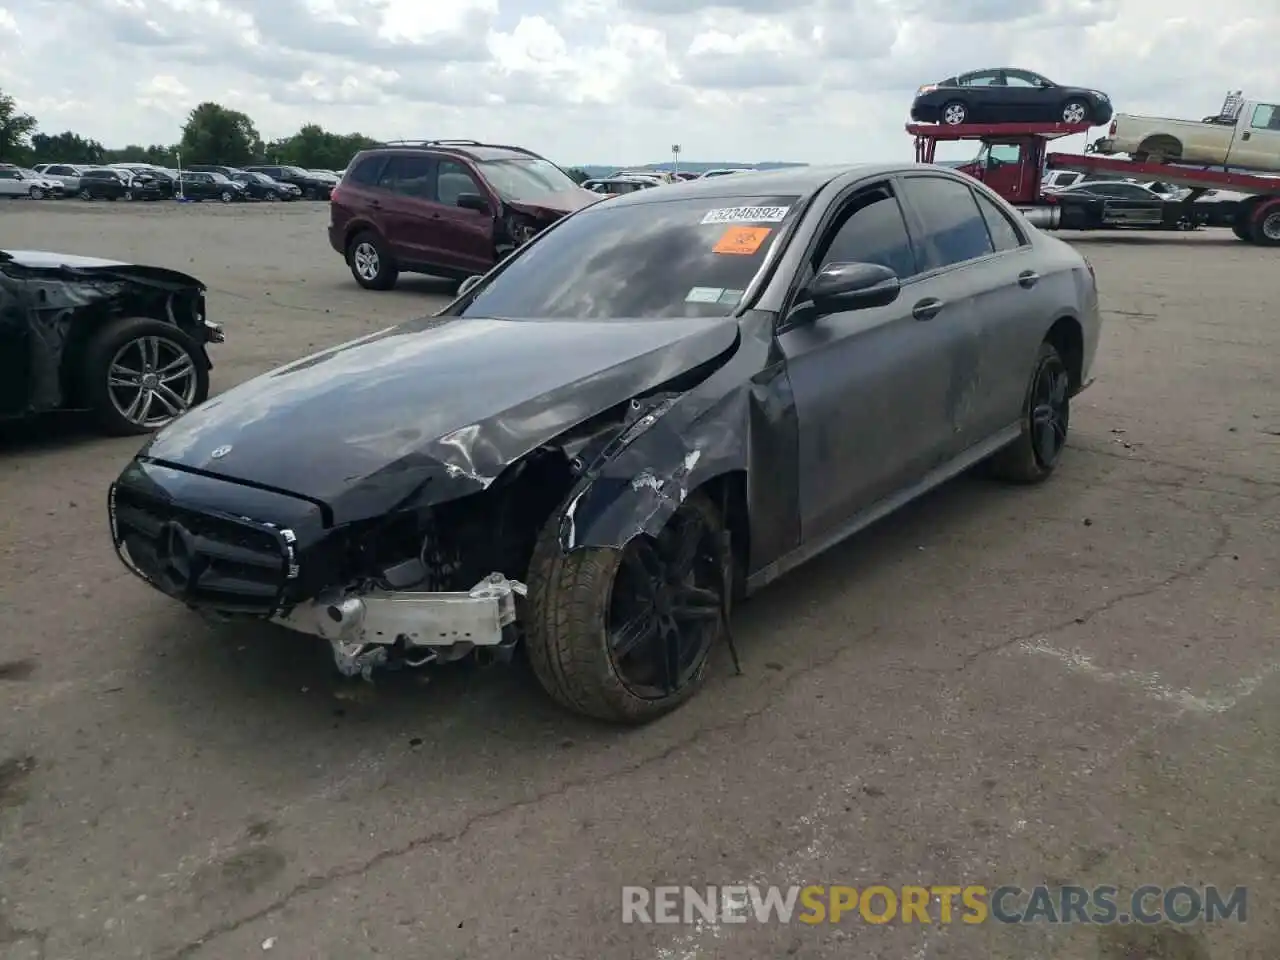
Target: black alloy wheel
[[625, 634], [665, 607], [1046, 419], [1050, 410]]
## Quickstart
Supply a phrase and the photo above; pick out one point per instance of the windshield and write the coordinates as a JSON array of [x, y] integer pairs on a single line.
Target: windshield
[[294, 172], [219, 178], [525, 180], [674, 258]]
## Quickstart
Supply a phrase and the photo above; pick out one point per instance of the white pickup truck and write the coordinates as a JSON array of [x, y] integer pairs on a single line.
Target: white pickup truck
[[1245, 136]]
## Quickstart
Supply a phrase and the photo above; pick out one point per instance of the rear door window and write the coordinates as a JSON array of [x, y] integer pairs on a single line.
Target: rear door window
[[1005, 235], [953, 229], [409, 175]]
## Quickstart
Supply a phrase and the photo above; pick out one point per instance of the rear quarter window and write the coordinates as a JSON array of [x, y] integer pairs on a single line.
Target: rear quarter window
[[366, 171]]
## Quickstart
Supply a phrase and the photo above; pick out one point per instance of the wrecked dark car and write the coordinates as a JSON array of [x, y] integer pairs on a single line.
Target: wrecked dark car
[[125, 342], [654, 408]]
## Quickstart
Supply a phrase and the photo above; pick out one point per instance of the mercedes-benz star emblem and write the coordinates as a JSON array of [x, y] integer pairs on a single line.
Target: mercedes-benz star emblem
[[177, 556], [221, 452]]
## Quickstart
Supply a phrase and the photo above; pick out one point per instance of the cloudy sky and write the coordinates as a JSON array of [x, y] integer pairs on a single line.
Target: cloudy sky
[[609, 81]]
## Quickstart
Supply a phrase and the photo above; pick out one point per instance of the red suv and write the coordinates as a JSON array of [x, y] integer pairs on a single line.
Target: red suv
[[450, 208]]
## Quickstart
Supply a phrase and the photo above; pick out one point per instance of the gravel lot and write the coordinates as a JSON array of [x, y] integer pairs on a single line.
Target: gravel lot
[[1064, 684]]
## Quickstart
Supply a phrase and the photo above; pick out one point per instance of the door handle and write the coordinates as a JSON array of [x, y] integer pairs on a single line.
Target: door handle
[[1028, 279], [927, 309], [1246, 135]]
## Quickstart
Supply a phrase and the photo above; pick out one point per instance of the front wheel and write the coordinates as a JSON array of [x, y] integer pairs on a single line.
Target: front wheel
[[85, 195], [370, 263], [1075, 112], [226, 196], [36, 193], [625, 635], [955, 113], [1046, 417], [140, 374]]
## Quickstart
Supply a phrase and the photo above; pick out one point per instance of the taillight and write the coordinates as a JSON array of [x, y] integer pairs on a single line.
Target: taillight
[[1111, 130], [333, 194]]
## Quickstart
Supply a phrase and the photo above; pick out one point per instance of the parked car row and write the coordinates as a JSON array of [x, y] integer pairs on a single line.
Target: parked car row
[[146, 181]]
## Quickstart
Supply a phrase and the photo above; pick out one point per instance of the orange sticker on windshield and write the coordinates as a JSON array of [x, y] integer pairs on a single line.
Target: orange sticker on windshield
[[742, 240]]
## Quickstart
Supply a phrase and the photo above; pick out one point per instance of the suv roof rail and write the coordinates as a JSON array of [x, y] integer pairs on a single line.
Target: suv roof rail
[[456, 143]]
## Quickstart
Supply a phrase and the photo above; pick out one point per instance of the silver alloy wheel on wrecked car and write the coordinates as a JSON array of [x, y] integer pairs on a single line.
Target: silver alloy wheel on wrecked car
[[1075, 112], [225, 197], [365, 261], [37, 193], [151, 380]]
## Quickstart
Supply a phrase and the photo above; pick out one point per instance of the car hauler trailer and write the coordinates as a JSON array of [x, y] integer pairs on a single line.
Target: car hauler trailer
[[1014, 158]]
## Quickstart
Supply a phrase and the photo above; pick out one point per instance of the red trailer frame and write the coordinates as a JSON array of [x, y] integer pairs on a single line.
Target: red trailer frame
[[1257, 217]]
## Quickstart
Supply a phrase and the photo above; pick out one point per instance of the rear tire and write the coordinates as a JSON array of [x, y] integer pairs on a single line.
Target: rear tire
[[1264, 226], [1046, 416], [101, 354], [572, 637], [370, 262]]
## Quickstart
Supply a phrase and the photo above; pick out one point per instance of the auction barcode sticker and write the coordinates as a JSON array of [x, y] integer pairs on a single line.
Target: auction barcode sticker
[[746, 215]]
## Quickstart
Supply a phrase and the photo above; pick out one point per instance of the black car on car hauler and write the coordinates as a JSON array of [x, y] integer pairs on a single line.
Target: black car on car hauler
[[1008, 95], [124, 341], [657, 405]]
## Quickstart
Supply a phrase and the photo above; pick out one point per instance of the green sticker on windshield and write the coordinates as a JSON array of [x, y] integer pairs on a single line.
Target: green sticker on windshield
[[704, 295]]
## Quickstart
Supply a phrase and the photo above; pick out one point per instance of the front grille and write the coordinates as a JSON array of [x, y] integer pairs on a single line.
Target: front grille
[[207, 560]]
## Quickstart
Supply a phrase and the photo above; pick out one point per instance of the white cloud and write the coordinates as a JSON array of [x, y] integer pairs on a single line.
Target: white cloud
[[607, 80]]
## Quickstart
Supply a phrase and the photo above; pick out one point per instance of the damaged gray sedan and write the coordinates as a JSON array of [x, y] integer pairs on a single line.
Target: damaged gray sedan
[[656, 407], [125, 342]]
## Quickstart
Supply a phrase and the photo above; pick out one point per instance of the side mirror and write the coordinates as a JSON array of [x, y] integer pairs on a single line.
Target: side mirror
[[853, 286], [472, 201], [469, 284]]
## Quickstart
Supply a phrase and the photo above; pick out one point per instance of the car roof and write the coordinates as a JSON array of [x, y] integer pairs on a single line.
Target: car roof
[[803, 182], [467, 148]]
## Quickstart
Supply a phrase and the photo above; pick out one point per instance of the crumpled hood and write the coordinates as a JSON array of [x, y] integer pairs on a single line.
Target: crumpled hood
[[556, 205], [362, 426], [46, 260]]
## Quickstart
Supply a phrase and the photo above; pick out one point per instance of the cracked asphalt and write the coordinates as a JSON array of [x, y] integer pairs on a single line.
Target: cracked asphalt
[[1070, 684]]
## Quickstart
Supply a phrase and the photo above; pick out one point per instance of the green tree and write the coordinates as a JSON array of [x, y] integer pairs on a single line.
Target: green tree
[[156, 153], [314, 148], [66, 147], [578, 174], [15, 131], [215, 134]]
